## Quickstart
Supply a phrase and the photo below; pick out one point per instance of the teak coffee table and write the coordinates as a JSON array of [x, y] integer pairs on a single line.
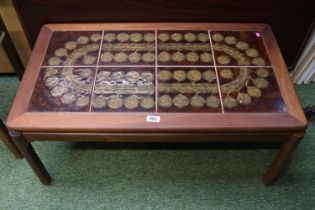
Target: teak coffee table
[[166, 82]]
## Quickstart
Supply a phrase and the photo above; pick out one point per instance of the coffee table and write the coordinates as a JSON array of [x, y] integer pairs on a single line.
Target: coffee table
[[156, 82]]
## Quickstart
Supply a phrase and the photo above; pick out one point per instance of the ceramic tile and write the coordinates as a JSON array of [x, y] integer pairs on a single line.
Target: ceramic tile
[[188, 90], [73, 48], [124, 90], [239, 48], [63, 89], [128, 48], [250, 90], [184, 48]]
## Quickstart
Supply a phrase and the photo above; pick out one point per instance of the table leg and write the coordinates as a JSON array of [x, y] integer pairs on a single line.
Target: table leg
[[31, 157], [4, 135], [281, 158]]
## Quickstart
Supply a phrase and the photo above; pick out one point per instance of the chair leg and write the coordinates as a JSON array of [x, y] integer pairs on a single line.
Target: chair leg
[[4, 135], [31, 157], [281, 158]]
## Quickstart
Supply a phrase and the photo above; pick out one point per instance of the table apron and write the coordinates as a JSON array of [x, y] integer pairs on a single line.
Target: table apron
[[158, 137]]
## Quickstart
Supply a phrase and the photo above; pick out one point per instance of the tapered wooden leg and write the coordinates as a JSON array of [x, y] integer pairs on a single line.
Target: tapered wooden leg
[[4, 135], [281, 158], [31, 157]]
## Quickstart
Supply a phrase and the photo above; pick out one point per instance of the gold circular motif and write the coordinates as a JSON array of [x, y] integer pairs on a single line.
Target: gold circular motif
[[148, 57], [192, 57], [147, 102], [163, 37], [254, 91], [165, 101], [179, 75], [89, 59], [209, 76], [203, 37], [82, 101], [176, 37], [258, 61], [61, 52], [261, 82], [71, 45], [164, 56], [180, 101], [217, 37], [244, 99], [147, 76], [251, 52], [68, 98], [178, 57], [95, 37], [135, 37], [107, 57], [224, 59], [132, 76], [98, 102], [230, 40], [242, 45], [131, 102], [83, 40], [197, 101], [58, 91], [262, 72], [120, 57], [117, 75], [229, 102], [122, 37], [149, 37], [103, 76], [226, 73], [85, 73], [190, 37], [206, 57], [212, 101], [194, 75], [55, 61], [164, 75], [115, 102], [49, 72], [134, 57], [52, 82], [109, 37]]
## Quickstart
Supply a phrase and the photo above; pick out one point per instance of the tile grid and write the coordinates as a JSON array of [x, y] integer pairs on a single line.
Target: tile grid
[[96, 71], [156, 66], [216, 72], [156, 73]]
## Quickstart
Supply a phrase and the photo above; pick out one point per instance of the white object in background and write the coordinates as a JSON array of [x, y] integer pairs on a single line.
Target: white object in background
[[304, 69]]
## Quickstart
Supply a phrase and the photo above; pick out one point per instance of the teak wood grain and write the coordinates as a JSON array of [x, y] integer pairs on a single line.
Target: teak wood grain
[[21, 120]]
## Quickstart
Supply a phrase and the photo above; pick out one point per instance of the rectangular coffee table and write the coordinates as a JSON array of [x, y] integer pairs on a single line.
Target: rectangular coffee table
[[156, 82]]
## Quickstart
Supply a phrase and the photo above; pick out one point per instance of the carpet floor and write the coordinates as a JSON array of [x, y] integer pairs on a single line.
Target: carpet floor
[[140, 176]]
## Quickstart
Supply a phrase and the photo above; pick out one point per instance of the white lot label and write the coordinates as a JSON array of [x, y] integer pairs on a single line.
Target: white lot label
[[153, 118]]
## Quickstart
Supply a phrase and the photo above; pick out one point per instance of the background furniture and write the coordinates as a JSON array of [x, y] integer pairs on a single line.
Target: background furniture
[[6, 42], [290, 20], [10, 50]]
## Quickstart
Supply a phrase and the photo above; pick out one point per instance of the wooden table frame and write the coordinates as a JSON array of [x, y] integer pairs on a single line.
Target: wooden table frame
[[27, 127]]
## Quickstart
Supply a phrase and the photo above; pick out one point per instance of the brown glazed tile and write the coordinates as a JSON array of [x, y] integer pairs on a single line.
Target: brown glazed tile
[[63, 89], [188, 90], [124, 89], [251, 89], [239, 48], [73, 48], [184, 48], [128, 48]]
